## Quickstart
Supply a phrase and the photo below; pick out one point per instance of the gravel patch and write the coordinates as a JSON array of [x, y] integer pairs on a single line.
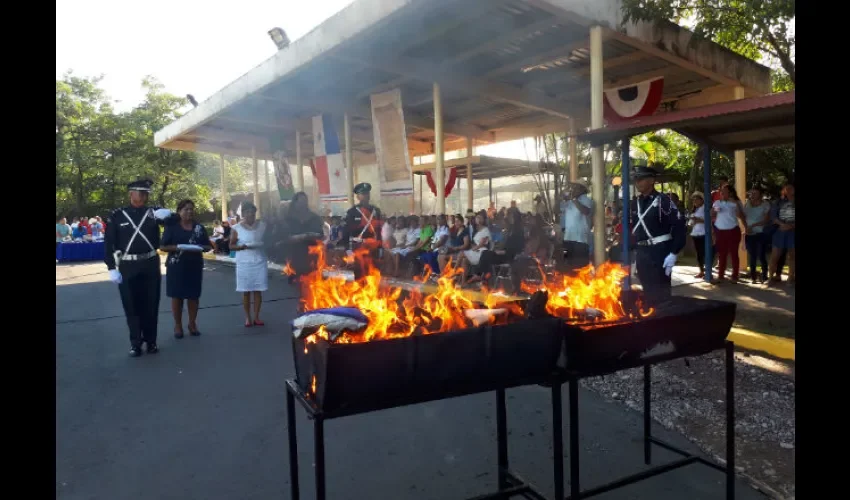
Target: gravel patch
[[691, 400]]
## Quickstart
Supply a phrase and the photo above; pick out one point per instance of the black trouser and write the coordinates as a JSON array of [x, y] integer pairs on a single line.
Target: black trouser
[[577, 255], [699, 246], [140, 290], [649, 260], [489, 258], [757, 250]]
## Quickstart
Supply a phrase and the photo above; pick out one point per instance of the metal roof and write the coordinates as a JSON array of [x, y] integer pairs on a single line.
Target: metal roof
[[507, 69], [751, 123]]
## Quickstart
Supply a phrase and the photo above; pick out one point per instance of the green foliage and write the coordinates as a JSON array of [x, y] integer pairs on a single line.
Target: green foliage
[[753, 28], [99, 151]]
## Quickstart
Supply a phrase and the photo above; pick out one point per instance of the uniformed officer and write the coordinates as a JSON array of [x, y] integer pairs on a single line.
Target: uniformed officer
[[363, 224], [131, 242], [659, 234]]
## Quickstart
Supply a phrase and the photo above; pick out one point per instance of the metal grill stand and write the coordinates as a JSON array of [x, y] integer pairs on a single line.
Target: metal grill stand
[[648, 440], [509, 484]]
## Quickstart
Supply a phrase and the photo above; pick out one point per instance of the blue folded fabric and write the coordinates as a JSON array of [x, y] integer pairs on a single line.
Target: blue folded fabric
[[334, 319]]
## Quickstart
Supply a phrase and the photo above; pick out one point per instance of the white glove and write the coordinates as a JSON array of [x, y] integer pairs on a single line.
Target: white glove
[[190, 248], [669, 262], [162, 213], [115, 276]]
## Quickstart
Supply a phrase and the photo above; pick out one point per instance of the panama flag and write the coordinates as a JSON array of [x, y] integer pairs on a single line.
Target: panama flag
[[330, 168]]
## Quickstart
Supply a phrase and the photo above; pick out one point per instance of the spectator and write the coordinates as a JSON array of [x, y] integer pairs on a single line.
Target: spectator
[[576, 210], [63, 230], [696, 219], [252, 266], [757, 215], [303, 229], [218, 234], [437, 244], [514, 244], [715, 195], [784, 216], [480, 242], [458, 242], [96, 229], [727, 212], [409, 247]]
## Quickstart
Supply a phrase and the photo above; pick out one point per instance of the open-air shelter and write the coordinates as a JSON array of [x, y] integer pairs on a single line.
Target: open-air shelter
[[479, 71], [730, 128]]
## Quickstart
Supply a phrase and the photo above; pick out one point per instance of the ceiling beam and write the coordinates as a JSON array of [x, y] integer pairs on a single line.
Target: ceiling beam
[[537, 59], [428, 72]]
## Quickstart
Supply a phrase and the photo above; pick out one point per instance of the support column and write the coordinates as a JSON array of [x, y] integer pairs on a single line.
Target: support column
[[469, 183], [597, 161], [573, 151], [625, 174], [268, 183], [349, 160], [412, 185], [420, 195], [299, 172], [706, 212], [440, 174], [490, 188], [223, 190], [256, 182], [741, 186]]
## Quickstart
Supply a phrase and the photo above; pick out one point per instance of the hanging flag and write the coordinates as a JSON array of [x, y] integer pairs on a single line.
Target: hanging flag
[[632, 101], [331, 175], [450, 181], [283, 175], [394, 169]]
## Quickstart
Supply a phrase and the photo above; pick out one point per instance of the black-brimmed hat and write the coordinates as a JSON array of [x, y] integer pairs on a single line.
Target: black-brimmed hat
[[644, 172], [140, 185], [363, 188]]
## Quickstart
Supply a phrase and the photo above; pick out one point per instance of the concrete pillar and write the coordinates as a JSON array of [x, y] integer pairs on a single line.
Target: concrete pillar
[[741, 185], [256, 182], [573, 151], [440, 172], [268, 183], [223, 190], [299, 172], [349, 160], [597, 161]]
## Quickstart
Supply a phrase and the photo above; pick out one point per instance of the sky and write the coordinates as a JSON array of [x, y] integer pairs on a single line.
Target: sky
[[190, 46]]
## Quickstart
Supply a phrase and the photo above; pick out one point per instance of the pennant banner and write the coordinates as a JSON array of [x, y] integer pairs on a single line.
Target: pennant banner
[[394, 167], [331, 175], [632, 101], [283, 175]]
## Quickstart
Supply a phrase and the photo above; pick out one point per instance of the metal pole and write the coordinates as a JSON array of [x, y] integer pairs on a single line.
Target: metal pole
[[299, 172], [730, 421], [349, 160], [223, 190], [625, 173], [440, 174], [420, 194], [490, 187], [597, 161], [573, 151], [256, 182], [268, 184], [413, 186], [706, 212], [469, 183]]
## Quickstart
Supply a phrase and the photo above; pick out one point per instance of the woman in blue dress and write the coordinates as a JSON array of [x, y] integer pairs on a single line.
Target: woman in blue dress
[[184, 240]]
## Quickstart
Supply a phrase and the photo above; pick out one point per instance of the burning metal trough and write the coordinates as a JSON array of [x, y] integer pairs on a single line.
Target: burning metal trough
[[362, 347]]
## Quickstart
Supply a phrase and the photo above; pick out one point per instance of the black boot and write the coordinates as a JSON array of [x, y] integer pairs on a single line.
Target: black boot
[[135, 352], [152, 348]]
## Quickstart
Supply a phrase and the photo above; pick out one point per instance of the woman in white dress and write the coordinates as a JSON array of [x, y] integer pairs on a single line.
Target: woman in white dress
[[480, 242], [252, 265]]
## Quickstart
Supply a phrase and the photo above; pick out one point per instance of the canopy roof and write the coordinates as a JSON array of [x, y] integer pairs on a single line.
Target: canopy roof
[[507, 69], [735, 125]]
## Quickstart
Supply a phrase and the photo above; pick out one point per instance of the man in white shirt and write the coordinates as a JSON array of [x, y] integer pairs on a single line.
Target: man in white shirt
[[576, 212]]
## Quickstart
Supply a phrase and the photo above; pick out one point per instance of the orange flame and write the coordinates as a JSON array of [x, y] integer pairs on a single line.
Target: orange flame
[[287, 269], [595, 290]]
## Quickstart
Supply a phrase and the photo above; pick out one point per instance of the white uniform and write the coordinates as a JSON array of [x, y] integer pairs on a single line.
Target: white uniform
[[252, 265]]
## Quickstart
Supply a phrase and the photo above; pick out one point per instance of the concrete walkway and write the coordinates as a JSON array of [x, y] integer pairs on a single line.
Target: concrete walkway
[[205, 418]]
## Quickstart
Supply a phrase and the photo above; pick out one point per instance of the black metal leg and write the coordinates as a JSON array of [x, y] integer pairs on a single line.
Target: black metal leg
[[293, 445], [730, 421], [575, 487], [502, 438], [558, 440], [647, 414], [319, 443]]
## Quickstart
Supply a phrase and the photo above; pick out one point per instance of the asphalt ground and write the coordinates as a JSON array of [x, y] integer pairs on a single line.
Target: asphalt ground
[[206, 417]]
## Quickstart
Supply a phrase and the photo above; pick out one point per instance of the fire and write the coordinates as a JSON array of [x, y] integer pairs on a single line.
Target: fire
[[392, 315], [287, 269], [313, 385], [591, 289]]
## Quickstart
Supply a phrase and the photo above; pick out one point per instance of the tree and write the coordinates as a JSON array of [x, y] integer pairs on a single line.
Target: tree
[[753, 28]]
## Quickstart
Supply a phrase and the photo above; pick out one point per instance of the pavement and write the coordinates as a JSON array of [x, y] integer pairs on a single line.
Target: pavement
[[205, 418]]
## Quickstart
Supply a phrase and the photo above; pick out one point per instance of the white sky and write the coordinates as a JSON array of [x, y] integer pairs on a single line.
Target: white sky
[[192, 46]]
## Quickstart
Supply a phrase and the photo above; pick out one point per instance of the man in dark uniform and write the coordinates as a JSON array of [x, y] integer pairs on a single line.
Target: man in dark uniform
[[658, 229], [363, 225], [131, 242]]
